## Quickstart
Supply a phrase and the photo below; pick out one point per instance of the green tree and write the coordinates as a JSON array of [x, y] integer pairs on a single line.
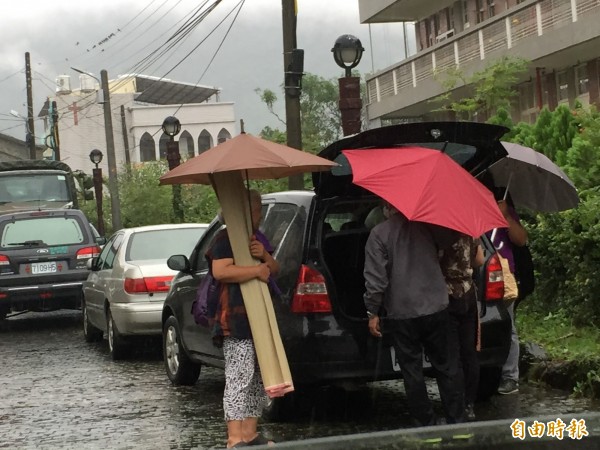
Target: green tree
[[319, 112], [487, 90], [582, 161]]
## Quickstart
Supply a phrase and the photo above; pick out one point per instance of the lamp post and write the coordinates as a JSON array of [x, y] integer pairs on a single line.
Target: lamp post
[[113, 186], [171, 127], [96, 158], [347, 52]]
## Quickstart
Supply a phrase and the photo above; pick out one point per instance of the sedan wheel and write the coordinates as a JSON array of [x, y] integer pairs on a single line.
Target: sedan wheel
[[180, 369], [117, 345], [90, 332]]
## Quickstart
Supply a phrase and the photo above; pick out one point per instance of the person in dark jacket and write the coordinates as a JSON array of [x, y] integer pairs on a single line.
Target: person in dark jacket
[[404, 281]]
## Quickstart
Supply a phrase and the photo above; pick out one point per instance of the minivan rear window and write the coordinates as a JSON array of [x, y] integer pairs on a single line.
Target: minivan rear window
[[43, 231]]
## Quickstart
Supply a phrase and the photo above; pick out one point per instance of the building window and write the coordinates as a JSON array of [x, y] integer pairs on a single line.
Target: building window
[[527, 96], [186, 144], [562, 81], [162, 146], [204, 141], [480, 11], [491, 8], [581, 75], [147, 148], [223, 136]]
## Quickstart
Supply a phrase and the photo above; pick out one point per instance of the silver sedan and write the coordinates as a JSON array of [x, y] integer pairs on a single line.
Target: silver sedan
[[128, 283]]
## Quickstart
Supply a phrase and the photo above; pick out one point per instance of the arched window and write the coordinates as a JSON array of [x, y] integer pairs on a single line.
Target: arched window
[[147, 148], [223, 136], [204, 141], [162, 146], [186, 145]]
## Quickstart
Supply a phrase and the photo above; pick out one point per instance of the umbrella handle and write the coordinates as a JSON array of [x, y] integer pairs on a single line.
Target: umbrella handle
[[493, 236], [507, 186]]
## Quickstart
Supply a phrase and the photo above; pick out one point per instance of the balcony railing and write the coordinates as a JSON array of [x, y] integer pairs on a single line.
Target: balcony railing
[[526, 20]]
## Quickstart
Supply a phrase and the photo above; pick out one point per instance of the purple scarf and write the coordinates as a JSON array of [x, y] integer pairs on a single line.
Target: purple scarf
[[260, 237]]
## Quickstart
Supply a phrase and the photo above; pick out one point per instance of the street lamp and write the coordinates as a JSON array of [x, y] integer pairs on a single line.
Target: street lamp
[[171, 127], [96, 158], [113, 185], [347, 52]]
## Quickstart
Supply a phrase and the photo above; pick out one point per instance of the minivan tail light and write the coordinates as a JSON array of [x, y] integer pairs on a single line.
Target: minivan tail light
[[311, 292], [88, 252], [494, 289], [147, 285], [4, 261]]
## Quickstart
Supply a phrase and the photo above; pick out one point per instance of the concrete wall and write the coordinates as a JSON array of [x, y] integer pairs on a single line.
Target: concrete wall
[[12, 149]]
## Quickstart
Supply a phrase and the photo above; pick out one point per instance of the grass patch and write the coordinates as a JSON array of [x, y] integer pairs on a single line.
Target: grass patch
[[557, 334]]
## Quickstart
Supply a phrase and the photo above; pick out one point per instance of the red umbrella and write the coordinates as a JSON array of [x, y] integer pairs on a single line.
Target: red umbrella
[[427, 185]]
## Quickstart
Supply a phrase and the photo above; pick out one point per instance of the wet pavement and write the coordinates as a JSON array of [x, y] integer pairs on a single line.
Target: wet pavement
[[57, 391]]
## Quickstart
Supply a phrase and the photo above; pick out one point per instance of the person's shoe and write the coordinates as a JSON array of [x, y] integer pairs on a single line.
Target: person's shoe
[[469, 412], [508, 387], [260, 440]]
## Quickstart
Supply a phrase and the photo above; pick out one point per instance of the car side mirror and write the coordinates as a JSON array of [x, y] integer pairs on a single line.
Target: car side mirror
[[179, 262], [101, 240], [91, 264]]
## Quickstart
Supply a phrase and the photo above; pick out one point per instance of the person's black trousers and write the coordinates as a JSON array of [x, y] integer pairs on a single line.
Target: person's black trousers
[[432, 334], [464, 324]]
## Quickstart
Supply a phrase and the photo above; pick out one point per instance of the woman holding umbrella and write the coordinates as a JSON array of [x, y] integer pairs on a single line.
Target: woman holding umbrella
[[244, 397], [505, 239]]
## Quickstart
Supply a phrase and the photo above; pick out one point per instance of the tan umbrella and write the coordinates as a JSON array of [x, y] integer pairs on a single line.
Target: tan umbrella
[[259, 158], [225, 167]]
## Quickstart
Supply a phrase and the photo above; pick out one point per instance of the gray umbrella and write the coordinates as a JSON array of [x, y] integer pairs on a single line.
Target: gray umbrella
[[533, 180]]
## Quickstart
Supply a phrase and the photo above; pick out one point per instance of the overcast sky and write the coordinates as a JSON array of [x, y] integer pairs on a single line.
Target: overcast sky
[[116, 35]]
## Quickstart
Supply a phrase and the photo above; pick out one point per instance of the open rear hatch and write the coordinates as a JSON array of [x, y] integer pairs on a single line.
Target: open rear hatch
[[473, 145]]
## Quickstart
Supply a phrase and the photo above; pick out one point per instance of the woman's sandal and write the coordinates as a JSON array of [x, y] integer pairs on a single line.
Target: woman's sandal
[[260, 440], [240, 444]]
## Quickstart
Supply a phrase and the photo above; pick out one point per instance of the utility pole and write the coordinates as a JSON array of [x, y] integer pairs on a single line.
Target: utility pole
[[125, 137], [113, 186], [30, 130], [54, 131], [292, 96]]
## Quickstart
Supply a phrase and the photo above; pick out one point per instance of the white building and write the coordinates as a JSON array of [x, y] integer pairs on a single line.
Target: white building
[[139, 104]]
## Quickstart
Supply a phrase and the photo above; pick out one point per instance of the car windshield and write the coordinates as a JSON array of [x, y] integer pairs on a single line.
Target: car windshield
[[42, 231], [29, 188], [160, 244]]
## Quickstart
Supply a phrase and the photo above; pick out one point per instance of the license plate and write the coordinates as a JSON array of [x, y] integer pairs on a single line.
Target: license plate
[[48, 267]]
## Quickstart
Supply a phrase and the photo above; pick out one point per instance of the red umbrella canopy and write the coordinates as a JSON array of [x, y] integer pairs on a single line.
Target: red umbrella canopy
[[261, 159], [427, 185]]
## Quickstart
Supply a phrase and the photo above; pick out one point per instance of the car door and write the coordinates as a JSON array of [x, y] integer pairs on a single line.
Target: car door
[[198, 339], [95, 289]]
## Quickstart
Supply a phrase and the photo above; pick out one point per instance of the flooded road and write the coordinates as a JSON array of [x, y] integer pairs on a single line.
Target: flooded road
[[58, 391]]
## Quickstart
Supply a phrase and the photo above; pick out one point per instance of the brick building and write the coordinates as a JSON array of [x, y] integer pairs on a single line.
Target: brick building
[[561, 38]]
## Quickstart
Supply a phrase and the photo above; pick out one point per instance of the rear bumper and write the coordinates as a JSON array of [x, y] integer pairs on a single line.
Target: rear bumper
[[327, 356], [143, 318], [42, 297]]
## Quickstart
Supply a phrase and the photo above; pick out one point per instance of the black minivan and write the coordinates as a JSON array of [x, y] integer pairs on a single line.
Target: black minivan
[[319, 239], [43, 257]]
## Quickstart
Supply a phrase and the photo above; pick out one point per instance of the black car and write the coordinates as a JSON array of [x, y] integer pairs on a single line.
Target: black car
[[43, 257], [319, 239]]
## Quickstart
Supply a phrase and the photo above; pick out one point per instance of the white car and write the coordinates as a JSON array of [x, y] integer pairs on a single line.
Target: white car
[[128, 283]]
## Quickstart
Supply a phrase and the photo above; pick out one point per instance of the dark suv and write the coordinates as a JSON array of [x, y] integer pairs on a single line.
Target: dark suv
[[319, 239], [43, 256]]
